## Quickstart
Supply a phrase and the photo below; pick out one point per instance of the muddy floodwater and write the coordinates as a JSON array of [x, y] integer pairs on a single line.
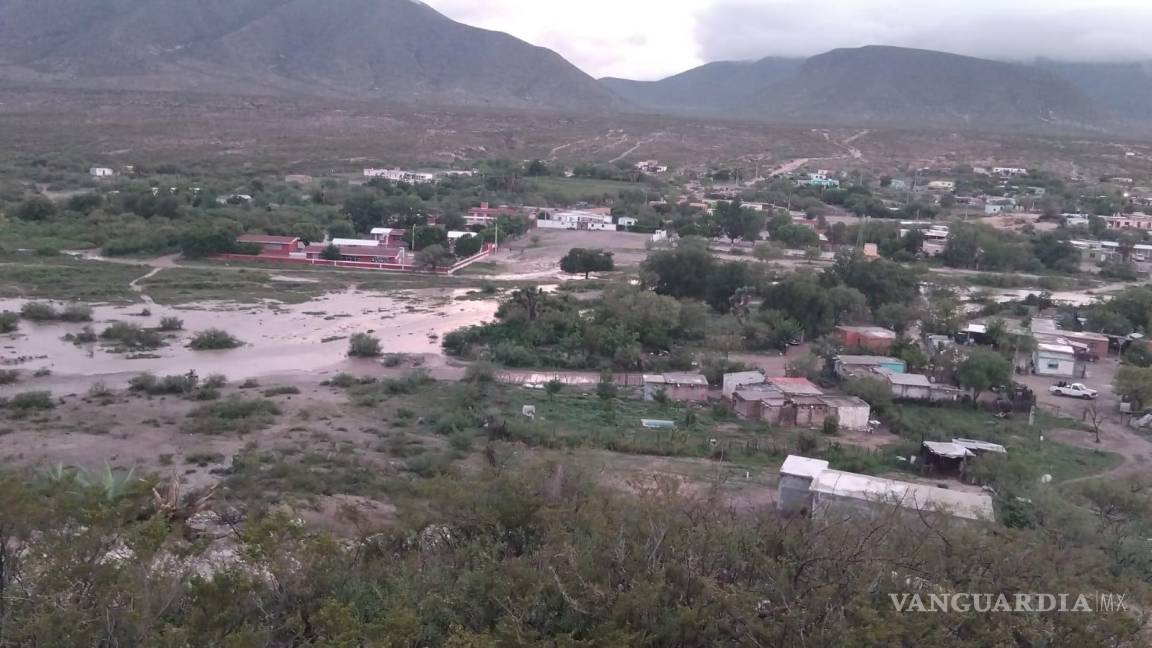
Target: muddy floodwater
[[309, 338]]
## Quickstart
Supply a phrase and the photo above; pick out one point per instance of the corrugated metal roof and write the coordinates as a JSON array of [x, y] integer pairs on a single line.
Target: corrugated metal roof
[[973, 506], [947, 449], [803, 466], [906, 379], [868, 360]]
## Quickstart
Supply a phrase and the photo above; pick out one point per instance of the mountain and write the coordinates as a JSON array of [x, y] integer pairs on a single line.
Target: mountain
[[363, 49], [894, 85], [715, 87], [880, 85], [1124, 88]]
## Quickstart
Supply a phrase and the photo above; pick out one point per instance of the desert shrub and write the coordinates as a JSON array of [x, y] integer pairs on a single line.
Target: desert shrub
[[429, 464], [31, 401], [168, 324], [204, 459], [99, 390], [342, 380], [131, 336], [480, 372], [232, 415], [215, 381], [39, 312], [175, 384], [363, 345], [213, 339], [76, 313], [395, 359], [9, 321], [831, 426], [283, 390], [87, 335], [9, 376]]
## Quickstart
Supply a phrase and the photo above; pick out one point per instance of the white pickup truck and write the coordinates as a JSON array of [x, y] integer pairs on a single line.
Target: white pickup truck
[[1073, 390]]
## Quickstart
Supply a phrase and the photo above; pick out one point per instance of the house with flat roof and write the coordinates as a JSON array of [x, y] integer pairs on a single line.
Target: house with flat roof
[[676, 386], [1055, 360], [733, 381], [848, 366], [272, 245]]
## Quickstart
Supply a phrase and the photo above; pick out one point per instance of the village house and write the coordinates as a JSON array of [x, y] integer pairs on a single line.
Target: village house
[[869, 338], [809, 486], [733, 381], [361, 253], [941, 185], [485, 215], [272, 245], [576, 220], [818, 180], [851, 413], [101, 172], [1008, 172], [1129, 222], [651, 166], [759, 403], [676, 386], [389, 236], [350, 242], [917, 387], [1055, 360], [401, 175]]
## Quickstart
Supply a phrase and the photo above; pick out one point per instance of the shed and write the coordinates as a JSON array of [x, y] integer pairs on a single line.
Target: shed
[[838, 493], [908, 386], [852, 413], [734, 381], [795, 487]]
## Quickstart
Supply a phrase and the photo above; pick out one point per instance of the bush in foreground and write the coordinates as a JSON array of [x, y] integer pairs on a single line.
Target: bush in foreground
[[234, 414], [364, 345], [168, 324], [131, 336], [39, 312], [9, 321], [214, 339], [76, 313], [31, 401]]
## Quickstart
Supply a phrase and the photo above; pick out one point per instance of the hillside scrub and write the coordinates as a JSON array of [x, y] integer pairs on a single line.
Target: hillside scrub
[[364, 345], [9, 322], [683, 571]]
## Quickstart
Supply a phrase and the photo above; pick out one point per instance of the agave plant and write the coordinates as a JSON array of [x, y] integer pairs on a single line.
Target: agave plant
[[112, 483]]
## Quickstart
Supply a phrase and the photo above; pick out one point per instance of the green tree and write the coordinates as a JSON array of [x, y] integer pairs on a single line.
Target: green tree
[[682, 272], [468, 246], [36, 208], [983, 370], [434, 257], [586, 261], [330, 252]]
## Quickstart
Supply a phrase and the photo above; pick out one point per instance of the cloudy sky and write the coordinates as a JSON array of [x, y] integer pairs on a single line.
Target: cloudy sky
[[651, 39]]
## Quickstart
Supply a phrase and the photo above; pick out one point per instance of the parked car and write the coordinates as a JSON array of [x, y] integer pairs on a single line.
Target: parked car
[[1072, 390]]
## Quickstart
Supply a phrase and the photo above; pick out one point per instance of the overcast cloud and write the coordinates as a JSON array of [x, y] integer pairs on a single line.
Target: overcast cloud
[[651, 39]]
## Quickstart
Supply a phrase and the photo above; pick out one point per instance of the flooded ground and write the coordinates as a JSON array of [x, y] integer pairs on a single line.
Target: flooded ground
[[308, 338]]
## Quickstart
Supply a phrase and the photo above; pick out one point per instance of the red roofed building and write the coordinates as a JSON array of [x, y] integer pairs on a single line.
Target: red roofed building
[[361, 254], [272, 245], [484, 215]]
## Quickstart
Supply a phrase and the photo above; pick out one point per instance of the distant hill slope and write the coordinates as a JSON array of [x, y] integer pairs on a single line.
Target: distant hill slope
[[714, 87], [879, 84], [391, 49], [1124, 88], [892, 84]]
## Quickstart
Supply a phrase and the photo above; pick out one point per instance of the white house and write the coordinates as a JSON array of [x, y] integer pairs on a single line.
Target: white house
[[942, 185], [101, 172], [351, 242], [1056, 360], [626, 221], [400, 175], [576, 220], [1009, 171]]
